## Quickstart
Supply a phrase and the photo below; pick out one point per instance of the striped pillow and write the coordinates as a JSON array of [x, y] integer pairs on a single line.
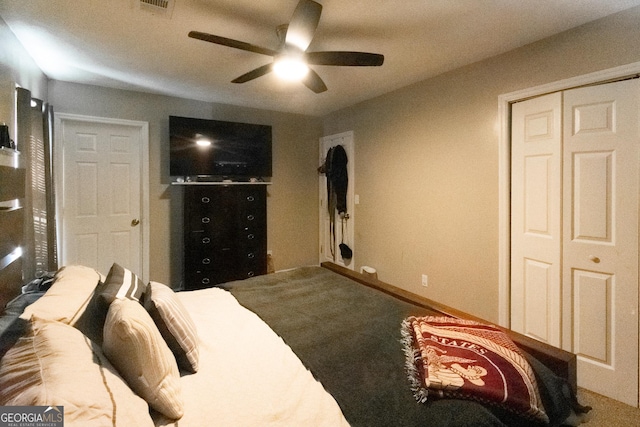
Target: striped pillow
[[122, 284], [175, 324], [136, 349]]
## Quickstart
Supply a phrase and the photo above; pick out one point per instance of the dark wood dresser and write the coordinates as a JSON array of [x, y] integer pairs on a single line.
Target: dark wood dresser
[[225, 233]]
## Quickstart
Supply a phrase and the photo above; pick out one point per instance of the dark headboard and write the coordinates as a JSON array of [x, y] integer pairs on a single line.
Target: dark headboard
[[12, 193]]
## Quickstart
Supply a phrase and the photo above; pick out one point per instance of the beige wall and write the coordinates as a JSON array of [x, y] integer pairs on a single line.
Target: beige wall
[[292, 198], [427, 163]]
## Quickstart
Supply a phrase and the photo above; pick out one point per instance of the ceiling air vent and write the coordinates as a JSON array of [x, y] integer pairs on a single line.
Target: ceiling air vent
[[158, 7]]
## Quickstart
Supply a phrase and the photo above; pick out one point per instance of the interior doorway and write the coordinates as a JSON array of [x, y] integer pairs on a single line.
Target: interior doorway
[[102, 191], [337, 229]]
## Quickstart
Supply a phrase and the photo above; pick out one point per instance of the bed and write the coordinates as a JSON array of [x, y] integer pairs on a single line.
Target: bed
[[344, 326], [312, 346]]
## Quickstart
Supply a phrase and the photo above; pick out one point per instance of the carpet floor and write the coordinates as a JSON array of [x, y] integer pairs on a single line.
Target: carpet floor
[[608, 412]]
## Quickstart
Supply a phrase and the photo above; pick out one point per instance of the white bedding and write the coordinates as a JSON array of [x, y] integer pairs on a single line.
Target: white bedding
[[247, 376]]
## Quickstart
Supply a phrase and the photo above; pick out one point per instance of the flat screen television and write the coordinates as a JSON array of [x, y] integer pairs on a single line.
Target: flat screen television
[[201, 148]]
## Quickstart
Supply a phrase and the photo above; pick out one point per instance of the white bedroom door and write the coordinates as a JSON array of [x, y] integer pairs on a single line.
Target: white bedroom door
[[101, 193], [343, 229], [581, 291], [600, 236]]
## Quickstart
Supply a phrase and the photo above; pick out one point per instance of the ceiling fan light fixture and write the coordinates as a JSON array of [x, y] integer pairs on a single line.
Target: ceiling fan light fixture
[[291, 59], [291, 68]]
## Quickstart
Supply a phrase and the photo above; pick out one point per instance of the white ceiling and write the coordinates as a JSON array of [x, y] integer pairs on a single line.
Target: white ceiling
[[116, 43]]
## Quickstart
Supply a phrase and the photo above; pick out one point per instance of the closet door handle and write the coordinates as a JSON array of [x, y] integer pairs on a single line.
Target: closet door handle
[[594, 259]]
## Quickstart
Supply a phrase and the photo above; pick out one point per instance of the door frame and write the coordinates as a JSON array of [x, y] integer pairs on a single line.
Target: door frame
[[143, 128], [504, 167], [322, 188]]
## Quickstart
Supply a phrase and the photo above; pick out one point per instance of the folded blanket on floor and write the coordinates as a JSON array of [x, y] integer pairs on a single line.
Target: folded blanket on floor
[[448, 357]]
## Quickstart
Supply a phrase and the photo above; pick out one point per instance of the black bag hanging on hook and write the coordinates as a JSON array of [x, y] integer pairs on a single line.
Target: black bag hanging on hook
[[345, 251]]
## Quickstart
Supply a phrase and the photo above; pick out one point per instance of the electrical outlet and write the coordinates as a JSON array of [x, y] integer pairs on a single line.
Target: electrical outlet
[[425, 280]]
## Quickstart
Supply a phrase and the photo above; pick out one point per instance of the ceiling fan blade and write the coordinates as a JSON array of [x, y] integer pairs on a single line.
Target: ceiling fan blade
[[356, 59], [303, 24], [313, 81], [254, 74], [231, 43]]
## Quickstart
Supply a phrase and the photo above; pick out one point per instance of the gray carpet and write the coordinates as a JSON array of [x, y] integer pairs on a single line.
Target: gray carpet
[[608, 412]]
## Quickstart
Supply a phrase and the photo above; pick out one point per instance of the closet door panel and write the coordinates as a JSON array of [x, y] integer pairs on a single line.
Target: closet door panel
[[536, 218], [600, 236]]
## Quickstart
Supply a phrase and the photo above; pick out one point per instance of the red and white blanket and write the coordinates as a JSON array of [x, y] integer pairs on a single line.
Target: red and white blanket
[[448, 357]]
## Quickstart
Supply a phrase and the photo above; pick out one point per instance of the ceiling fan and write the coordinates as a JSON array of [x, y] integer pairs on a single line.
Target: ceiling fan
[[296, 38]]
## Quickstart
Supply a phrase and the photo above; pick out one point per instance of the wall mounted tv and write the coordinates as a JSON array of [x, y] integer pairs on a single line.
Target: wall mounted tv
[[209, 149]]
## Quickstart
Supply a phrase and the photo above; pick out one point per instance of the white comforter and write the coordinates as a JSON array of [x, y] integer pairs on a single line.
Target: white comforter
[[248, 376]]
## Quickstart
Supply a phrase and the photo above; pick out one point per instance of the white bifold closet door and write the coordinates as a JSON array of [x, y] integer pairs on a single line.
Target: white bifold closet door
[[574, 230]]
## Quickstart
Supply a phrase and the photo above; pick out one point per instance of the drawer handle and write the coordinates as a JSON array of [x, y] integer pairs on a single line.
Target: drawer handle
[[251, 274], [205, 281], [251, 236], [206, 261], [206, 240], [206, 220], [251, 255], [251, 217], [251, 198], [206, 200]]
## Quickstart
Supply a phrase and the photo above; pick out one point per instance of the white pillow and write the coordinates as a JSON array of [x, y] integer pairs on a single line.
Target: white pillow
[[135, 347], [70, 300], [68, 297], [53, 364]]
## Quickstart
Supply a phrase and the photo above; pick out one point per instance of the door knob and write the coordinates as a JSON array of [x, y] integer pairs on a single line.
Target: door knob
[[594, 259], [135, 222]]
